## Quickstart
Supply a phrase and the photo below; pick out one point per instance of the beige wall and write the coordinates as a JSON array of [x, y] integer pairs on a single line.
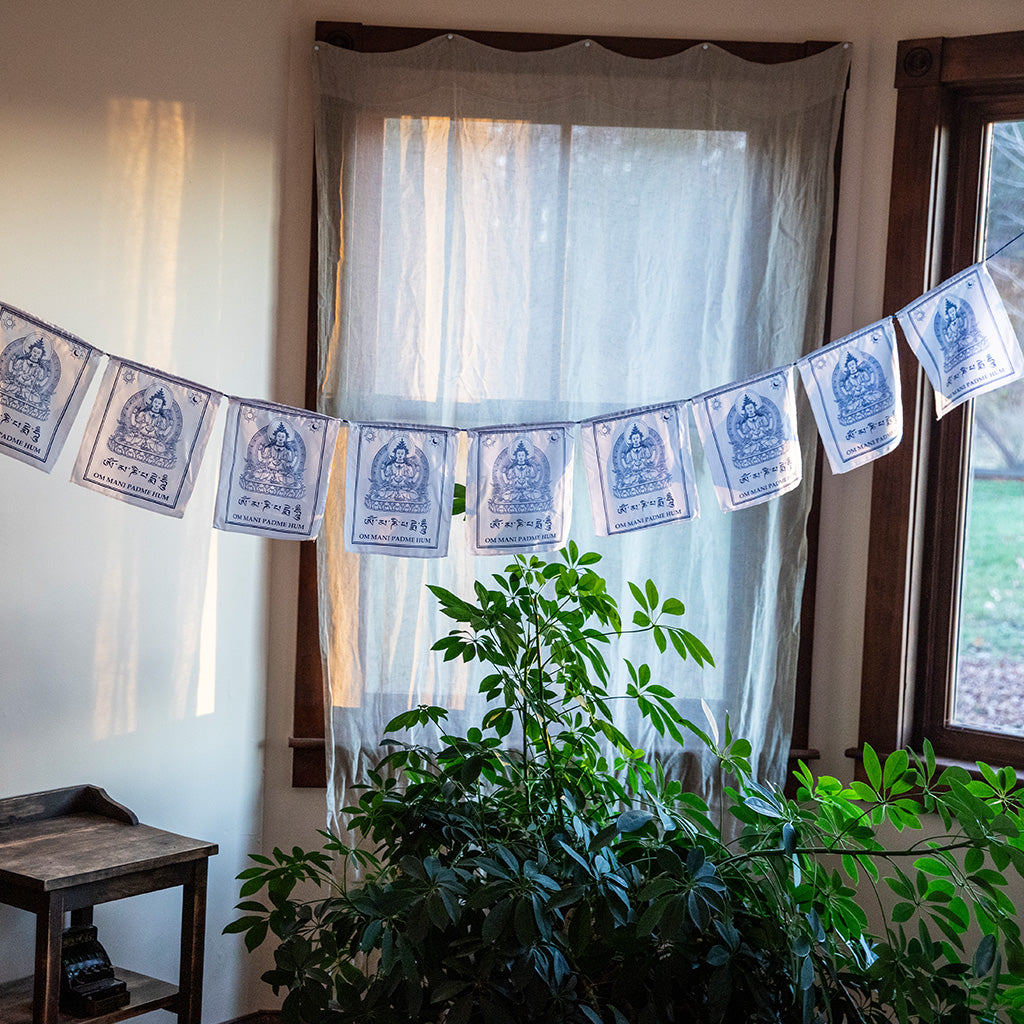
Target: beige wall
[[140, 151], [155, 195]]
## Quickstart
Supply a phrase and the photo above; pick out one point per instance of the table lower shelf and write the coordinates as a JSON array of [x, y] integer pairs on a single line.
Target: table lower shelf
[[146, 994]]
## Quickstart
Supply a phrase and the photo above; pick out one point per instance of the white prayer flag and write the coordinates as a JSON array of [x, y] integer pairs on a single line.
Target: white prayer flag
[[44, 375], [854, 388], [400, 480], [963, 338], [748, 431], [519, 488], [639, 469], [275, 469], [145, 438]]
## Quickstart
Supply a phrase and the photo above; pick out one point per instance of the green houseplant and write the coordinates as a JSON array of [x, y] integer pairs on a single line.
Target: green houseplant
[[539, 868]]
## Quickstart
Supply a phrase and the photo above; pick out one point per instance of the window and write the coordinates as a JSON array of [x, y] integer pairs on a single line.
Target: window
[[581, 151], [931, 645]]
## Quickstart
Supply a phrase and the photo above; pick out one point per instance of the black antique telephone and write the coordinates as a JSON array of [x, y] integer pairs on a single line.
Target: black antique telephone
[[87, 983]]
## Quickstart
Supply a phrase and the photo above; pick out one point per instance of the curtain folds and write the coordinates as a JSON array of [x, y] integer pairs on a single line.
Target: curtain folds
[[530, 237]]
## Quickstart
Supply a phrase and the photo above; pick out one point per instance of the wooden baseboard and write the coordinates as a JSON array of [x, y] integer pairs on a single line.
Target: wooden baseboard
[[258, 1017]]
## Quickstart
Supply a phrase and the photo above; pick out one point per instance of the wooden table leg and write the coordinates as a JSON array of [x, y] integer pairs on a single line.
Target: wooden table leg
[[46, 988], [193, 930]]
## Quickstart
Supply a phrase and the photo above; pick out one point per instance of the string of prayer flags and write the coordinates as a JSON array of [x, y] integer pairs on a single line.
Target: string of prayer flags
[[519, 488], [44, 375], [854, 388], [275, 469], [145, 437], [748, 431], [400, 480], [148, 430], [640, 469], [963, 338]]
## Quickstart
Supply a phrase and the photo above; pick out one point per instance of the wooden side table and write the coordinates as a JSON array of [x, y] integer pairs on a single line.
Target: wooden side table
[[66, 850]]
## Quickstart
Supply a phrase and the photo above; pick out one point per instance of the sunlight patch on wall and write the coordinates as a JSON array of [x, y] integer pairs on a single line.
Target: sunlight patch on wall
[[115, 667], [192, 675], [149, 148], [206, 682]]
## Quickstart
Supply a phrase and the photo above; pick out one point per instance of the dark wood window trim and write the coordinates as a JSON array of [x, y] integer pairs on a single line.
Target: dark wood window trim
[[307, 741], [948, 89]]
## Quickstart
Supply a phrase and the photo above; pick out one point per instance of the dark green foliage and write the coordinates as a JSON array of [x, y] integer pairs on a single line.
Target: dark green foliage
[[540, 869]]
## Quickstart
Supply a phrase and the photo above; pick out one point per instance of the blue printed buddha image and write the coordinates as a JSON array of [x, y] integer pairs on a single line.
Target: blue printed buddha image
[[638, 462], [860, 388], [957, 330], [399, 478], [29, 373], [275, 461], [521, 480], [757, 431], [149, 427]]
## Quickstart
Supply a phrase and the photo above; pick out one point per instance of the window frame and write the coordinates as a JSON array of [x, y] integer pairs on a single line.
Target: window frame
[[308, 737], [948, 90]]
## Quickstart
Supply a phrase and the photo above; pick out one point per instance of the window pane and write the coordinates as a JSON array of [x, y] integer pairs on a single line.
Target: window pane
[[989, 690], [571, 244]]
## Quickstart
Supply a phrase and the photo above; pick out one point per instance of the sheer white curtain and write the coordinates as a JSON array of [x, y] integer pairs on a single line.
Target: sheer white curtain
[[527, 237]]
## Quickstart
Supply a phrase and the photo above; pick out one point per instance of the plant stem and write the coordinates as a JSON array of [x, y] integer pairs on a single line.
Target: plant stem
[[821, 851]]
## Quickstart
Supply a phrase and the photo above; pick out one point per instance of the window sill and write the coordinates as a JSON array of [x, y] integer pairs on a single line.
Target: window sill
[[855, 754]]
